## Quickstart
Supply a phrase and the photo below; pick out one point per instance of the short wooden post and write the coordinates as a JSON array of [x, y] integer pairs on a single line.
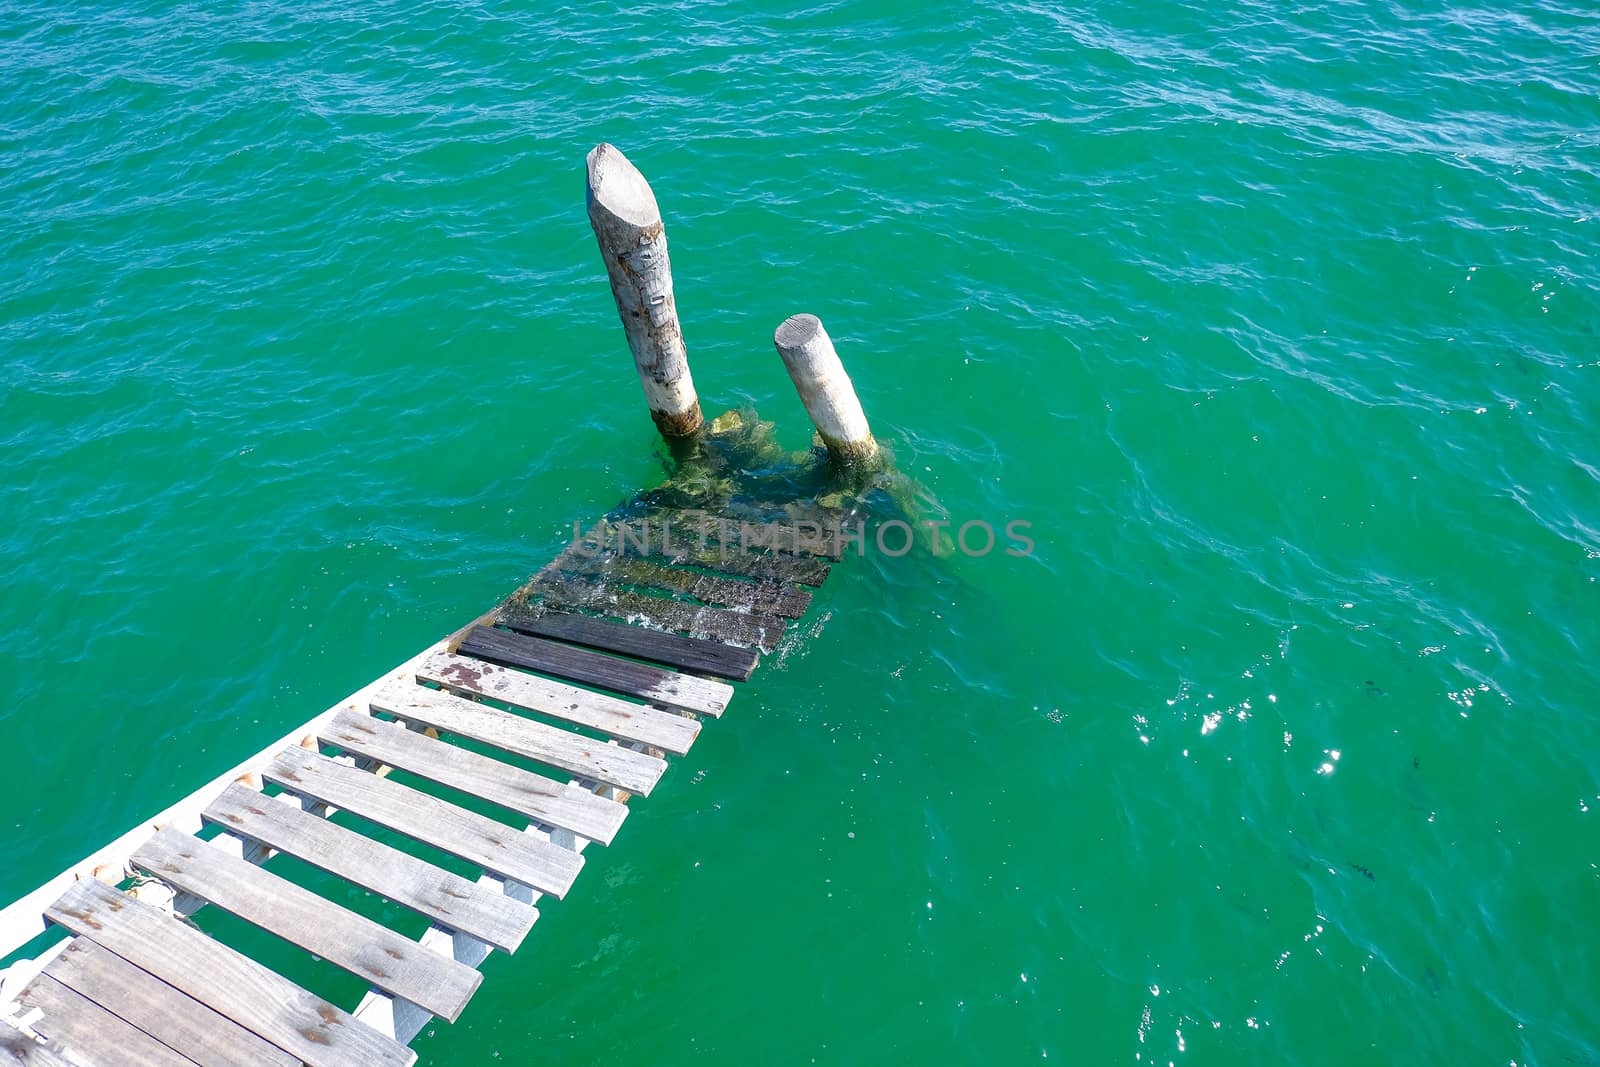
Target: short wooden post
[[825, 388], [633, 243]]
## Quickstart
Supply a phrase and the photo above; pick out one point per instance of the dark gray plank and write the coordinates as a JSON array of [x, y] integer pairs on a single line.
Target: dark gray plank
[[611, 715], [170, 1016], [91, 1033], [686, 653], [535, 796], [565, 592], [392, 963], [446, 898], [214, 974], [497, 848], [658, 686], [582, 756]]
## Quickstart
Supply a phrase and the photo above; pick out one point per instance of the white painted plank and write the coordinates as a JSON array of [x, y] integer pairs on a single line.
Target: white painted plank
[[438, 894], [494, 846], [364, 948], [581, 755], [214, 974], [526, 793]]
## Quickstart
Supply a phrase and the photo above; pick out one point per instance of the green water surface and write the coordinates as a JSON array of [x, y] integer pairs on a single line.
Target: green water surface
[[1277, 322]]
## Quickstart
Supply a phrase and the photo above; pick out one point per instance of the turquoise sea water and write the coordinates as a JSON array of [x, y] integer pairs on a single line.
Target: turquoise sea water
[[1278, 323]]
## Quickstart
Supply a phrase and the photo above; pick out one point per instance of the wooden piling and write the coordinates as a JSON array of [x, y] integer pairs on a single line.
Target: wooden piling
[[825, 388], [633, 242]]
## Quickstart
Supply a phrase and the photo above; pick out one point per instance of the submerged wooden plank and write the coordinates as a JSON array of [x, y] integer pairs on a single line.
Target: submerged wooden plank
[[745, 528], [686, 653], [582, 756], [241, 989], [533, 795], [658, 686], [494, 846], [661, 541], [448, 899], [609, 715], [90, 1032], [391, 962], [167, 1014], [759, 597], [564, 592]]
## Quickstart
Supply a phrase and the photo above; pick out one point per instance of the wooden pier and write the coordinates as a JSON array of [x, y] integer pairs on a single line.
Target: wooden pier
[[554, 710], [597, 671]]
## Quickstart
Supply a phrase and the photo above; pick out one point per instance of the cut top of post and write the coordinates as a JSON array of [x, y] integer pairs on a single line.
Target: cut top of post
[[795, 331], [617, 188]]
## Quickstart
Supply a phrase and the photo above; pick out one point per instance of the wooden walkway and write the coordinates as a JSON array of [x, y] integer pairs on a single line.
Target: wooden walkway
[[554, 710]]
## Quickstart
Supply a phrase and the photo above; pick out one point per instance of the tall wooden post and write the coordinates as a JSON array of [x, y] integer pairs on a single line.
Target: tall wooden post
[[825, 388], [633, 243]]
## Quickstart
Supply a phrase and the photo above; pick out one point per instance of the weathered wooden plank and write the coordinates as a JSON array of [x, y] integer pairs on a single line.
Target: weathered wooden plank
[[91, 1033], [17, 1049], [170, 1016], [620, 718], [448, 899], [393, 963], [568, 592], [576, 579], [535, 796], [754, 527], [494, 846], [790, 512], [685, 653], [658, 686], [239, 988], [583, 756], [760, 597]]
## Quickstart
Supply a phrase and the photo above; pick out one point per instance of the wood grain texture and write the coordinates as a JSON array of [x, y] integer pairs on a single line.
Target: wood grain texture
[[630, 677], [239, 988], [532, 795], [376, 954], [17, 1049], [583, 756], [619, 718], [91, 1033], [448, 899], [169, 1015], [494, 846], [685, 653]]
